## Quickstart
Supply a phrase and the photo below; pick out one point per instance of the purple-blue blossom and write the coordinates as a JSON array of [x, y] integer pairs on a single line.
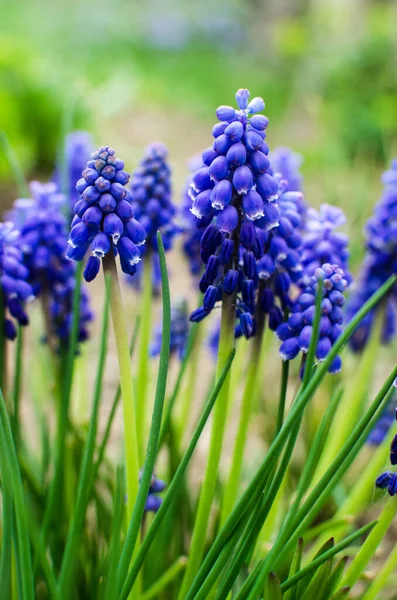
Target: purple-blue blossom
[[296, 333], [323, 243], [153, 501], [234, 195], [179, 332], [389, 479], [286, 163], [380, 263], [15, 291], [104, 219]]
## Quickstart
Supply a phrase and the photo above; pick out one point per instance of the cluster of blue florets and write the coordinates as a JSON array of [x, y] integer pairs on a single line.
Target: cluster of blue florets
[[382, 426], [104, 216], [153, 501], [379, 264], [43, 241], [296, 333], [389, 479], [234, 189], [77, 150], [151, 196], [286, 163], [15, 291], [322, 243], [179, 332]]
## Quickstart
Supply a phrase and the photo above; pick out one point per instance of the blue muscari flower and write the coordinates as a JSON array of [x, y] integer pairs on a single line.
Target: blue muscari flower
[[77, 148], [104, 216], [151, 196], [232, 192], [322, 243], [286, 163], [179, 332], [295, 334], [388, 479], [153, 501], [192, 228], [379, 264], [43, 241], [381, 427], [16, 290]]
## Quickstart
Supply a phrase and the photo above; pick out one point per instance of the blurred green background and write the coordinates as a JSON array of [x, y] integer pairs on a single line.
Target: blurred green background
[[135, 72]]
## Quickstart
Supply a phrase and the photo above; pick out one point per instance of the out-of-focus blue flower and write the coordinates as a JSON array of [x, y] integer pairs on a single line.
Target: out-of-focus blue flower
[[15, 288], [286, 163], [296, 333], [192, 228], [322, 243], [388, 479], [104, 216], [77, 148], [234, 195], [43, 241], [179, 331], [379, 264], [154, 501], [381, 427], [151, 196]]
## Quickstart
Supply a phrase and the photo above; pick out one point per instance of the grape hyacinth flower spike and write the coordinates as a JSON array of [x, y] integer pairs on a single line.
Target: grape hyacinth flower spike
[[285, 163], [379, 264], [296, 333], [389, 479], [153, 501], [104, 217], [179, 332], [77, 149], [233, 192], [16, 291]]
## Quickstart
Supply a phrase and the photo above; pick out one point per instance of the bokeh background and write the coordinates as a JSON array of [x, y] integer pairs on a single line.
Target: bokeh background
[[134, 72]]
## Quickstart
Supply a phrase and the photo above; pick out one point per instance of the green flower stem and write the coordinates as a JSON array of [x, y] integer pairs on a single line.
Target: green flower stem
[[372, 542], [142, 379], [283, 395], [126, 383], [355, 395], [382, 577], [226, 344], [254, 369], [167, 578]]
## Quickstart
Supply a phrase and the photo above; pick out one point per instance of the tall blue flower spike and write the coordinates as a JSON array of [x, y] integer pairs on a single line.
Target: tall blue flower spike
[[389, 479], [78, 147], [296, 333], [286, 163], [16, 291], [192, 228], [153, 501], [234, 195], [104, 218], [179, 331], [322, 243], [379, 264], [43, 241]]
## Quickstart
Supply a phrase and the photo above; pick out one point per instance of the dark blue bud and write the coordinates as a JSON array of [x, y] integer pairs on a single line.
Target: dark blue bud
[[249, 264], [235, 131], [90, 175], [247, 235], [209, 155], [304, 338], [323, 347], [283, 332], [270, 217], [92, 217], [121, 177], [259, 162], [236, 155], [76, 252], [260, 122], [393, 451], [267, 187], [267, 299], [221, 194], [275, 318], [218, 129], [383, 480], [201, 180], [336, 315], [243, 179], [198, 315], [252, 140], [100, 245], [226, 251], [392, 487], [210, 298], [128, 251], [278, 248], [248, 293], [289, 349], [222, 144], [124, 210], [81, 185], [246, 324], [103, 185], [253, 205], [91, 194], [227, 219], [256, 105], [202, 204], [336, 365], [107, 203], [79, 235], [211, 271], [242, 97], [225, 113], [117, 191], [134, 230], [230, 282], [260, 243], [219, 168], [113, 227], [92, 268], [80, 207], [211, 239], [266, 267], [10, 331]]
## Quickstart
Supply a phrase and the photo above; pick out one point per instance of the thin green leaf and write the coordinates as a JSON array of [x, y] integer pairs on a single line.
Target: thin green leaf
[[174, 485], [6, 526], [335, 577], [306, 580], [314, 564], [272, 588], [84, 481], [151, 451], [292, 593], [115, 542], [13, 473], [341, 594], [316, 588]]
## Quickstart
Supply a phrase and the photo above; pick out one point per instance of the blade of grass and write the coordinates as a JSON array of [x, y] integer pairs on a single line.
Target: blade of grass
[[17, 385], [14, 165], [174, 485], [169, 575], [151, 451], [83, 493], [6, 528], [115, 542], [23, 557]]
